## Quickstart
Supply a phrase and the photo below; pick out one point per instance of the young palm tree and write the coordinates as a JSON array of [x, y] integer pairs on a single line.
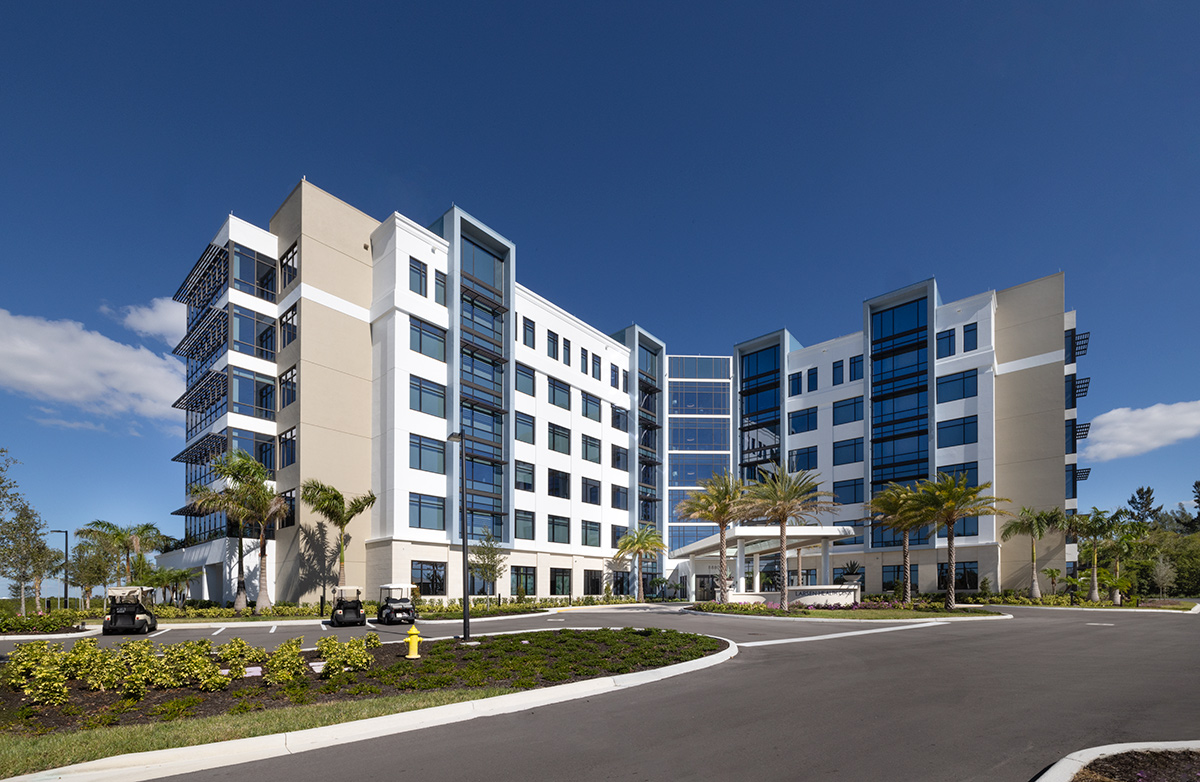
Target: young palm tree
[[893, 507], [332, 506], [642, 542], [716, 502], [942, 502], [1053, 574], [781, 499], [1095, 526], [1035, 524], [126, 542]]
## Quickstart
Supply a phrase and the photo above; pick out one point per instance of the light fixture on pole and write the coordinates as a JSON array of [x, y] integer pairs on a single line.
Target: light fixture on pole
[[66, 562], [457, 437]]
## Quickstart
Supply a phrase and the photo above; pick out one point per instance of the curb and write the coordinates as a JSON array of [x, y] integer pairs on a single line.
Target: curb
[[1127, 611], [51, 636], [932, 618], [167, 762], [1066, 769]]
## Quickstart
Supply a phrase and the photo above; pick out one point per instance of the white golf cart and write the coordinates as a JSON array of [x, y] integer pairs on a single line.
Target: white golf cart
[[348, 607], [395, 604], [129, 609]]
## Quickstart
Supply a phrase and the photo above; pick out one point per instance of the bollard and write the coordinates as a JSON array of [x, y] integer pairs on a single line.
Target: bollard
[[413, 639]]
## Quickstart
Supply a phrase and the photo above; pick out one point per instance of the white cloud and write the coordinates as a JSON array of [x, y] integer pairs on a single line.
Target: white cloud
[[1127, 432], [59, 423], [164, 319], [59, 361]]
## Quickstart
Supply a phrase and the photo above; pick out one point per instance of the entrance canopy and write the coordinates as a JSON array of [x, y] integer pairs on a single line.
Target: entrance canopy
[[762, 539]]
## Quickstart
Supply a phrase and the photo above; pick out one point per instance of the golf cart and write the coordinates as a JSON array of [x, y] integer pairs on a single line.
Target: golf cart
[[395, 604], [348, 607], [129, 609]]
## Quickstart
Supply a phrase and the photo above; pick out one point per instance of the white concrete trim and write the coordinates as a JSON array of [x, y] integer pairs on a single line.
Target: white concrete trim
[[325, 299], [1066, 769], [1030, 362]]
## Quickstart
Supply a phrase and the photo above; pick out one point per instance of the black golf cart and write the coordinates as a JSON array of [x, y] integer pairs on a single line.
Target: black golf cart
[[129, 609], [395, 605], [348, 607]]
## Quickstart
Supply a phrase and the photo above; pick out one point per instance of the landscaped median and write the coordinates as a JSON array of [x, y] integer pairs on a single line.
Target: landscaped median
[[62, 707], [867, 609]]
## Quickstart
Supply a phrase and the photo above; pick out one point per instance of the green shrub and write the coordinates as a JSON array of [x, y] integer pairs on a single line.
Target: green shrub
[[285, 664], [236, 654], [95, 667], [349, 656], [36, 669], [140, 666]]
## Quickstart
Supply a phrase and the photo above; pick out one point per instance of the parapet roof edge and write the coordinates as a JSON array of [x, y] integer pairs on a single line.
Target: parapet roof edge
[[522, 289]]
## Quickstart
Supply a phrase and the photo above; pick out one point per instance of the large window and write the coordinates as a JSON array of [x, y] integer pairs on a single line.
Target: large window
[[969, 469], [958, 431], [427, 339], [848, 451], [523, 525], [287, 327], [689, 469], [591, 491], [699, 434], [552, 344], [524, 580], [481, 264], [966, 575], [426, 396], [418, 277], [591, 449], [287, 388], [524, 476], [620, 497], [893, 577], [618, 531], [560, 393], [960, 385], [802, 459], [560, 438], [698, 366], [945, 343], [591, 406], [525, 378], [848, 492], [856, 367], [620, 458], [593, 582], [429, 577], [253, 273], [679, 535], [560, 582], [591, 533], [426, 454], [698, 398], [970, 337], [848, 410], [287, 448], [253, 333], [558, 483], [620, 418], [252, 394], [523, 427], [289, 266], [802, 420], [426, 512], [528, 332], [260, 446], [559, 529]]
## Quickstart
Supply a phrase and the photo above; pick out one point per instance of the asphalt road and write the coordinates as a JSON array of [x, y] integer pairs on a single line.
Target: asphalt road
[[993, 700]]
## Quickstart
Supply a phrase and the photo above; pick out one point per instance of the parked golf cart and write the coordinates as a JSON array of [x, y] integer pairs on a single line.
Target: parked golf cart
[[129, 609], [395, 604], [348, 607]]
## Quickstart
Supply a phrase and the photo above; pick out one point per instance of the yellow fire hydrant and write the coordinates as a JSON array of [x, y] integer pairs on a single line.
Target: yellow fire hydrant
[[414, 638]]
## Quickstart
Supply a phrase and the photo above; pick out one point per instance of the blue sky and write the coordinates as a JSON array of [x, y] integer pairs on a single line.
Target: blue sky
[[828, 152]]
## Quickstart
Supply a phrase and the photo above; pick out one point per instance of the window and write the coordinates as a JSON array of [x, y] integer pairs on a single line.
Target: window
[[529, 336], [958, 431], [591, 491], [620, 418], [625, 380], [593, 582], [524, 427], [679, 535], [287, 327], [848, 410], [620, 458], [856, 367], [524, 476], [260, 446], [552, 345], [559, 529], [525, 377], [620, 497], [560, 393], [253, 334], [289, 265], [558, 483], [560, 582], [795, 384], [252, 394], [595, 366], [960, 385], [289, 497], [429, 577], [523, 525], [838, 373], [566, 351], [1070, 400], [802, 420], [886, 537], [614, 376], [427, 339], [848, 451], [426, 396], [802, 459], [426, 454], [970, 337], [287, 388], [426, 512], [591, 406], [848, 492], [963, 528], [1071, 443], [583, 360], [253, 273], [591, 533], [560, 438], [1072, 483], [698, 398], [966, 575], [812, 380], [287, 448], [439, 288], [689, 469], [618, 531], [893, 577], [969, 469], [945, 343], [524, 580], [699, 434], [591, 449], [418, 277]]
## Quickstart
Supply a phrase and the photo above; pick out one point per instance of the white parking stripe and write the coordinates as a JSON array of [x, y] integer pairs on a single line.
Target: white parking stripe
[[843, 635], [274, 628], [160, 632], [218, 632], [1100, 624]]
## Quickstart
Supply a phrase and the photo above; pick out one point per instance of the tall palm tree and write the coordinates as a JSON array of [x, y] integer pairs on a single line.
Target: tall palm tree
[[640, 543], [893, 508], [1095, 526], [942, 502], [332, 506], [126, 542], [716, 502], [781, 498], [1035, 524]]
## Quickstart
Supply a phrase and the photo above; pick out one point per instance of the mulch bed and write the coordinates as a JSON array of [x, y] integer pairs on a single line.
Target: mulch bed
[[1155, 766]]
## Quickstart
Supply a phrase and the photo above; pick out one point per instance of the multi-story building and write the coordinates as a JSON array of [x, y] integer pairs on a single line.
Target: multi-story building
[[405, 360]]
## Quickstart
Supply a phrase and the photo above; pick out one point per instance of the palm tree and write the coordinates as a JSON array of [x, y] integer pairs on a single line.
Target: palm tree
[[1095, 526], [642, 542], [942, 502], [782, 498], [126, 542], [330, 504], [1128, 531], [716, 502], [1053, 574], [893, 507], [1035, 524]]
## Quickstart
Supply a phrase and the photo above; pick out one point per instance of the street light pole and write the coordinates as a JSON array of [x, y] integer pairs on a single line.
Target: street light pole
[[66, 563], [457, 437]]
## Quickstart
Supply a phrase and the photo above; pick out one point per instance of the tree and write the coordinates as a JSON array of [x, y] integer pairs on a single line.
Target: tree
[[1095, 526], [1195, 526], [716, 502], [941, 503], [1053, 574], [782, 498], [91, 566], [1163, 573], [329, 503], [642, 542], [893, 508], [246, 499], [487, 561], [21, 531], [1035, 524], [44, 562], [126, 542], [1141, 505]]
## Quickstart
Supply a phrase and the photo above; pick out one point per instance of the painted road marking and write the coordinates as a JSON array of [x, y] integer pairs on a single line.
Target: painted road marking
[[1101, 624], [160, 632], [843, 635], [218, 632], [274, 628], [556, 620]]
